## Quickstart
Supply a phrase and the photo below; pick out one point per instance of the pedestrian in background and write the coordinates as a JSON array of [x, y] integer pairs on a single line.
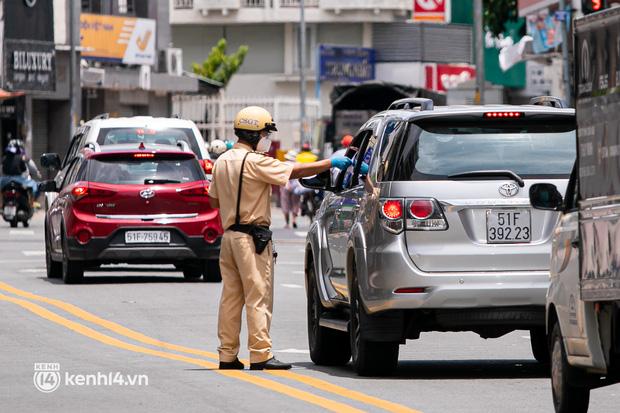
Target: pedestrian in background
[[290, 201], [241, 189]]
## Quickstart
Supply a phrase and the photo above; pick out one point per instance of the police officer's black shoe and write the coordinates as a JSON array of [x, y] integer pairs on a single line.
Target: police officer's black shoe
[[231, 365], [271, 364]]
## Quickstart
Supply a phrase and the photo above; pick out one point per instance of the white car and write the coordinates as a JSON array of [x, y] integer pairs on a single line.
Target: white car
[[103, 130]]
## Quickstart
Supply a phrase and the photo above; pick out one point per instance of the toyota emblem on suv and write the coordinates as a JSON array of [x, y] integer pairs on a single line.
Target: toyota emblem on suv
[[147, 193], [509, 189]]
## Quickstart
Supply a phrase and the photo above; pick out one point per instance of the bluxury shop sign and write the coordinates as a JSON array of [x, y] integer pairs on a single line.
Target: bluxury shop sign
[[30, 65]]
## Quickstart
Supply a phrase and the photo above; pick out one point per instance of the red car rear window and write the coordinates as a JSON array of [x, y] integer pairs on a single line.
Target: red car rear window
[[134, 171]]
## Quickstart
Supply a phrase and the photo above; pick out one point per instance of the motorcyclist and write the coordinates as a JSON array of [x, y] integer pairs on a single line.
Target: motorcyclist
[[17, 166], [217, 148]]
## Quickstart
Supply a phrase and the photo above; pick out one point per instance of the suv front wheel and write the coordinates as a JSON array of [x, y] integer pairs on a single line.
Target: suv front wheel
[[370, 358]]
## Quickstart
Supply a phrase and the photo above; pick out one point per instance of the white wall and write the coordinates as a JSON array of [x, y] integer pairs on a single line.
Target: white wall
[[265, 43]]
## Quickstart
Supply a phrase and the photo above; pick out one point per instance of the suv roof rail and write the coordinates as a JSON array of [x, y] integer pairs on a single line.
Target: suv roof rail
[[412, 103], [551, 101], [102, 116]]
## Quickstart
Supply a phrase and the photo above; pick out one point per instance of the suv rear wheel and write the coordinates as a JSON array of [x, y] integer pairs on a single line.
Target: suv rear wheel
[[370, 358], [567, 396], [327, 347]]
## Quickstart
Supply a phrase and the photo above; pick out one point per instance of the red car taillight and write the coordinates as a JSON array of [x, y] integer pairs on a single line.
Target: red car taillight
[[84, 190], [201, 191], [207, 165], [79, 192]]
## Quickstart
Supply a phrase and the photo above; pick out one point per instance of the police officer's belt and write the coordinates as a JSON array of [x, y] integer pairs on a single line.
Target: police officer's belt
[[260, 234]]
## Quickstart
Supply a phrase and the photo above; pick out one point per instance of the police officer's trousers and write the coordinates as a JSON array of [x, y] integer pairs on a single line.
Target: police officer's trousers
[[247, 279]]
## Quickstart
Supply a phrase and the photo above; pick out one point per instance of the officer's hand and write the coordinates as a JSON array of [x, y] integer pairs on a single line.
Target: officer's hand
[[341, 162], [364, 169]]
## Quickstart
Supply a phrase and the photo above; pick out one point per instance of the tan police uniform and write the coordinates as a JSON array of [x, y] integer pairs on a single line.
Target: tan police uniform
[[247, 277]]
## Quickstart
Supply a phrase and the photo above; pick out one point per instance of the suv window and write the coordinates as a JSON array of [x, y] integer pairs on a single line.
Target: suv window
[[168, 136], [347, 178], [390, 135], [75, 172], [75, 146], [435, 149]]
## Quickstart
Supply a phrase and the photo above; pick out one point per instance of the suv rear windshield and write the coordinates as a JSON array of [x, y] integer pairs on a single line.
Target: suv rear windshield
[[168, 136], [438, 148], [129, 171]]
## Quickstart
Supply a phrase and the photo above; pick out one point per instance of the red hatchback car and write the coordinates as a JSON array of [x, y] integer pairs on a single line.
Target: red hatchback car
[[128, 204]]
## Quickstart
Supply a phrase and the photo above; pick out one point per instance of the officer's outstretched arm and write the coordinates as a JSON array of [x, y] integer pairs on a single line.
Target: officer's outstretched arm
[[301, 170]]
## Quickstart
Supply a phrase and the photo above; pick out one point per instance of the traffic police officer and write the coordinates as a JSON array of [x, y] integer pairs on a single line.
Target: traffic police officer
[[241, 189]]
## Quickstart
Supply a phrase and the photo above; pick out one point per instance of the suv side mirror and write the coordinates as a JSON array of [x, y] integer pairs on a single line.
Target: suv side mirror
[[50, 160], [321, 182], [546, 197], [48, 186]]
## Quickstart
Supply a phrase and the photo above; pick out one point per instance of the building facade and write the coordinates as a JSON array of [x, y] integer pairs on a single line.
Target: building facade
[[270, 28]]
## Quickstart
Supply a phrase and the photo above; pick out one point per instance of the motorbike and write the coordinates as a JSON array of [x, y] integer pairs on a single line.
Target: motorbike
[[16, 204]]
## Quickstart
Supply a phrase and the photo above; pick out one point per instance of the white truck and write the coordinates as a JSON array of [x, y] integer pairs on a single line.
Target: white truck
[[583, 300]]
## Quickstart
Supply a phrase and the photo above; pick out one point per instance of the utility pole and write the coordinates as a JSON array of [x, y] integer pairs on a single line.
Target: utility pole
[[479, 46], [302, 75], [72, 69], [565, 62]]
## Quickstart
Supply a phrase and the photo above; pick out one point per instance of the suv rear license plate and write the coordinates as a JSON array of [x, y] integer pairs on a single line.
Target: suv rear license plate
[[147, 237], [508, 226]]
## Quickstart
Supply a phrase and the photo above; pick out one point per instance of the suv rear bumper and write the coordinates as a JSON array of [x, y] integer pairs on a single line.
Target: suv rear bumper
[[113, 249], [446, 290]]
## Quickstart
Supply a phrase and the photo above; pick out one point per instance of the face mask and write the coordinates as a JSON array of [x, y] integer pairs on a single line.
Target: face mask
[[263, 145]]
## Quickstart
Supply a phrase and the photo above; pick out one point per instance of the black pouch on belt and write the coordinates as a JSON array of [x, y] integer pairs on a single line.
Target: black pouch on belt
[[260, 235]]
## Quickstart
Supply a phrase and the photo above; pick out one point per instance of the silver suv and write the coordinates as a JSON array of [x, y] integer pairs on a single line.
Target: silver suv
[[431, 229]]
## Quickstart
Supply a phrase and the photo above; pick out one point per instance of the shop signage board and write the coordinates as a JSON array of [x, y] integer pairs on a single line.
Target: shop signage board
[[437, 11], [346, 64], [30, 65], [118, 39]]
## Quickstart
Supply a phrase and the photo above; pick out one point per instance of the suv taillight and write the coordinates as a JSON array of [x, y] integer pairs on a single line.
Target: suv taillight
[[422, 214], [425, 215], [391, 215]]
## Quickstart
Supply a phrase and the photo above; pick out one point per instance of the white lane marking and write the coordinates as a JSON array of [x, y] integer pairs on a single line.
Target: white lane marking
[[298, 272], [292, 285], [21, 232], [293, 350], [526, 337], [11, 261], [301, 233], [300, 262], [33, 270], [33, 253]]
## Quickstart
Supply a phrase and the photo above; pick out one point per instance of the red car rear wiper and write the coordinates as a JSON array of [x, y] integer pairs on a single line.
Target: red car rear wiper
[[490, 173], [151, 181]]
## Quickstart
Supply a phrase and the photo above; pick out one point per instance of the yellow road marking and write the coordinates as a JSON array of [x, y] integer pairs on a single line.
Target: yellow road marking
[[111, 341], [124, 331]]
